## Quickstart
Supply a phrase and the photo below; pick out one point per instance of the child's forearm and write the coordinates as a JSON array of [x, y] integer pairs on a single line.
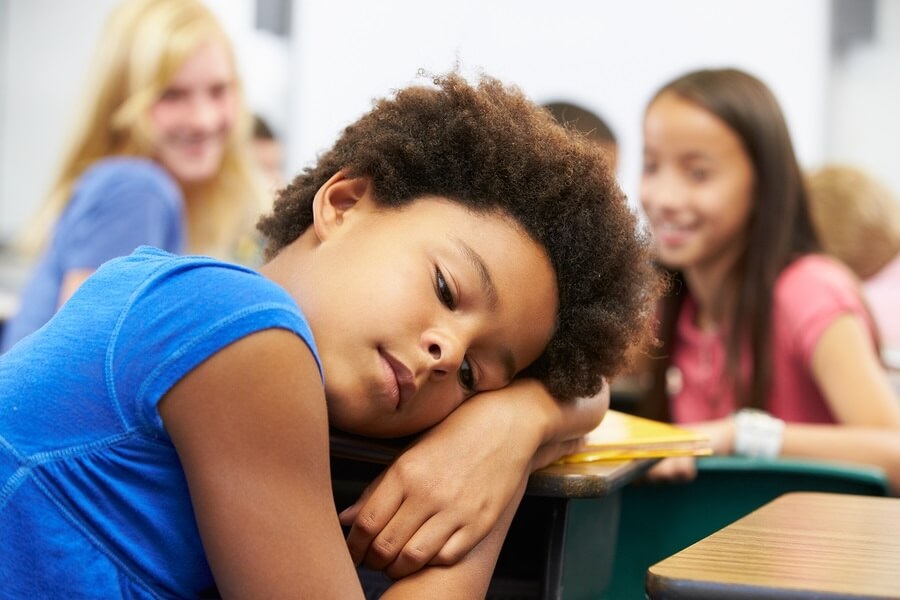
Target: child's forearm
[[557, 420], [470, 577], [466, 470], [879, 447], [875, 446], [561, 424], [575, 418]]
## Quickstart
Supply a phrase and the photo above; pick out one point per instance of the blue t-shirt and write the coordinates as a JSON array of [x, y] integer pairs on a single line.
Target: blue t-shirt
[[93, 499], [117, 205]]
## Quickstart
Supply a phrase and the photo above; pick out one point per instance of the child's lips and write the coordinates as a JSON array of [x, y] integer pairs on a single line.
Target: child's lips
[[197, 147], [401, 384], [672, 235]]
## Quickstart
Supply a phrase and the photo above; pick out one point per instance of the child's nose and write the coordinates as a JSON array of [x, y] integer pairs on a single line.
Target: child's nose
[[204, 113], [664, 194], [445, 353]]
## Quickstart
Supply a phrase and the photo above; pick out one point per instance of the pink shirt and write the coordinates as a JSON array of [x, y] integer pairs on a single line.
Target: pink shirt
[[809, 295], [882, 292]]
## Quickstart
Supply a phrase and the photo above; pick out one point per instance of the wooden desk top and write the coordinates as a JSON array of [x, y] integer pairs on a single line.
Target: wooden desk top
[[800, 545], [580, 480], [586, 480]]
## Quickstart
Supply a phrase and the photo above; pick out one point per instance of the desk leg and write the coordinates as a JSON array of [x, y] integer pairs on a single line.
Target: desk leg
[[582, 548], [557, 549]]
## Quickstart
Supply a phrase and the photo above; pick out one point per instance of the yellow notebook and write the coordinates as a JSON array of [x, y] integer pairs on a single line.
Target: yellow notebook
[[622, 436]]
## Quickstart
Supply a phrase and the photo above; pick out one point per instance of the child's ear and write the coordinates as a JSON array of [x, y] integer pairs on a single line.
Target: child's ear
[[335, 199]]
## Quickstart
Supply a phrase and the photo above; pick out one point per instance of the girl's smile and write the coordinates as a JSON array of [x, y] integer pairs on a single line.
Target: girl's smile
[[672, 235]]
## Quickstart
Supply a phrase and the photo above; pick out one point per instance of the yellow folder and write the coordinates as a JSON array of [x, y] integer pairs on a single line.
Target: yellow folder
[[622, 436]]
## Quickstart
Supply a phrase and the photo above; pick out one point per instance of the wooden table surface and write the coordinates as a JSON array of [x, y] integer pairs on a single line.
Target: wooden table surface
[[586, 480], [800, 545]]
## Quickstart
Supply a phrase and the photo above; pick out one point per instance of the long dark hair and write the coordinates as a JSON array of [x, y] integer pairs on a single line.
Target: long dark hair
[[780, 229]]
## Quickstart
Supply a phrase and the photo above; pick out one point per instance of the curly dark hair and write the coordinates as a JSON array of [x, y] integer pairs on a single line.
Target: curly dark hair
[[489, 148]]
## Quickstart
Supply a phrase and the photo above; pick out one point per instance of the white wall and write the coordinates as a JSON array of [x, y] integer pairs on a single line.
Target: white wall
[[47, 45], [608, 54], [262, 59], [864, 126]]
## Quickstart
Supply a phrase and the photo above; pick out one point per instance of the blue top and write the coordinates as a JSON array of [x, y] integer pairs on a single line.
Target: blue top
[[117, 205], [93, 500]]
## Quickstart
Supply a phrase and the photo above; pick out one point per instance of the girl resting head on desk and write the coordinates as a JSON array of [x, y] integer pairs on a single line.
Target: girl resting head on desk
[[767, 344], [456, 263]]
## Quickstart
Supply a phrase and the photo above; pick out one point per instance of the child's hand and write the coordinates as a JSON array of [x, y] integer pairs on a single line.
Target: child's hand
[[720, 433], [684, 468], [551, 452], [676, 468], [440, 497], [445, 493]]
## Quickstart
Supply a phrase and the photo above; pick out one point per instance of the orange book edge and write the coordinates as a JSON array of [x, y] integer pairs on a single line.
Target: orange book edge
[[622, 436]]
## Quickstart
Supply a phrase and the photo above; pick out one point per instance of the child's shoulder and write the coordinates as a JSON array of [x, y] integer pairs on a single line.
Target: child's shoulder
[[132, 171], [131, 165], [811, 273], [180, 310], [203, 280], [816, 282]]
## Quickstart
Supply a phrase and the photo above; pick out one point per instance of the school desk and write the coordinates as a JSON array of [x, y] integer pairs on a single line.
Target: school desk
[[800, 545], [562, 540]]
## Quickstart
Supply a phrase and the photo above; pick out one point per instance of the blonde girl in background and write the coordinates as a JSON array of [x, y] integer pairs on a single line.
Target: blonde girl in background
[[159, 157], [767, 345], [858, 220]]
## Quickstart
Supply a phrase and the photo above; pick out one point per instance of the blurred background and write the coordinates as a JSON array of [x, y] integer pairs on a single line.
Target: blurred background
[[312, 66]]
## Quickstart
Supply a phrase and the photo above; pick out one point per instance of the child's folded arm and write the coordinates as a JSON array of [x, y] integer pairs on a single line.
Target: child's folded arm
[[446, 492]]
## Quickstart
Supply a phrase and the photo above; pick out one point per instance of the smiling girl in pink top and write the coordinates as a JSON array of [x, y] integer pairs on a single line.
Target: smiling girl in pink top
[[767, 345]]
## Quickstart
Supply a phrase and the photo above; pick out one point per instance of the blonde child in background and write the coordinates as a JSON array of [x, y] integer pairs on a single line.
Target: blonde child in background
[[767, 345], [858, 220], [159, 156]]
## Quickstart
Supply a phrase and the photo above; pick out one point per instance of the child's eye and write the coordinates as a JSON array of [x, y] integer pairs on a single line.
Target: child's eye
[[443, 290], [467, 376], [172, 95], [218, 91], [699, 175]]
